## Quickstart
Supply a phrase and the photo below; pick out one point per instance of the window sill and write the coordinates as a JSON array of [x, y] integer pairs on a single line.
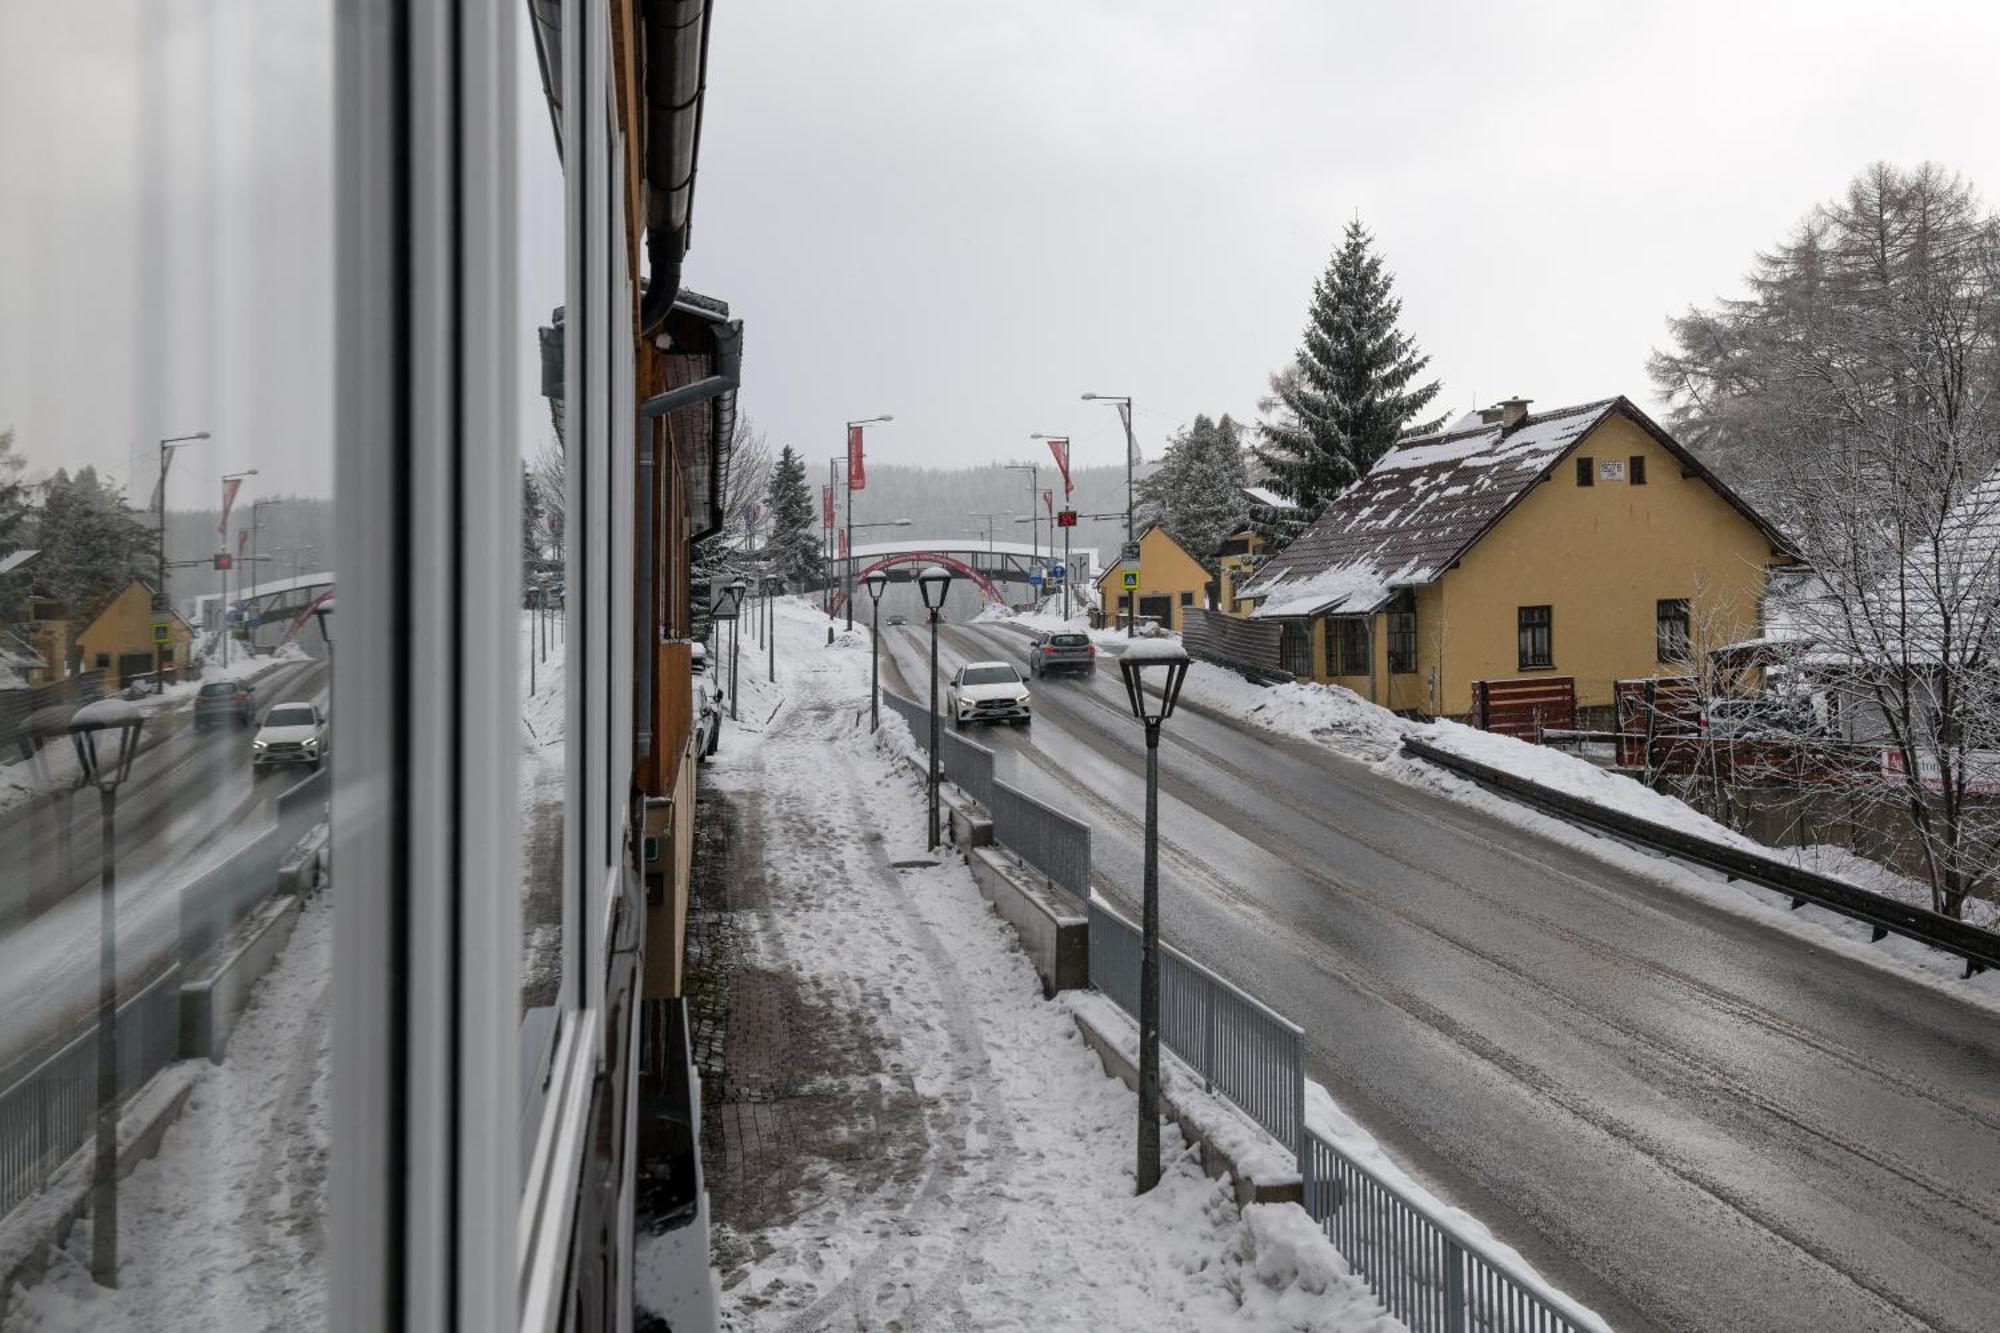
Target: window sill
[[1546, 666]]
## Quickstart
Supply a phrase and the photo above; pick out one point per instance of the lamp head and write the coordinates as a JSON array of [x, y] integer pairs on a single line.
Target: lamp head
[[106, 735], [934, 583], [875, 581], [1161, 664]]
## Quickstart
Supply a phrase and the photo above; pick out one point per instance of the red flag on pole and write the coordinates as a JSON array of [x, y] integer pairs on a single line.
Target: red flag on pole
[[826, 506], [843, 543], [1049, 500], [1060, 448], [242, 540], [857, 478], [230, 485]]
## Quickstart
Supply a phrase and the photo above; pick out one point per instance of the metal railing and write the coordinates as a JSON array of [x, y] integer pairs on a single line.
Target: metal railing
[[969, 765], [50, 1110], [916, 714], [1242, 1049], [1044, 837], [1427, 1273], [1979, 948], [213, 903]]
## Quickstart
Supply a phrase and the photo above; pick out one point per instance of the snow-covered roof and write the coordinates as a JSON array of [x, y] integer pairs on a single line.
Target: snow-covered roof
[[1267, 498], [1425, 502], [15, 559], [1418, 508]]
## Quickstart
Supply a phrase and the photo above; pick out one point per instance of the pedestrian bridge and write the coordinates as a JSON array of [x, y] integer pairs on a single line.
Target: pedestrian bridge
[[1002, 571]]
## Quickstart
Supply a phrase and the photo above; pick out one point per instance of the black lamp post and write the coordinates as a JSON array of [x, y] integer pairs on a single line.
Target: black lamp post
[[728, 605], [106, 735], [323, 616], [1162, 664], [773, 585], [875, 580], [934, 583]]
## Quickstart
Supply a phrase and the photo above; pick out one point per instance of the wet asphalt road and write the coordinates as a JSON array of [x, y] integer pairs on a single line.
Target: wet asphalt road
[[1688, 1120]]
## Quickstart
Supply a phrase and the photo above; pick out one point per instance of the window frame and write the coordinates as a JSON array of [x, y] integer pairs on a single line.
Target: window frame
[[1635, 470], [1586, 471], [1663, 618], [1401, 624], [1528, 630]]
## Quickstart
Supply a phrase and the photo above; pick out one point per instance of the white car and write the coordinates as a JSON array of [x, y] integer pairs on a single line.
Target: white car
[[291, 734], [986, 692], [707, 705]]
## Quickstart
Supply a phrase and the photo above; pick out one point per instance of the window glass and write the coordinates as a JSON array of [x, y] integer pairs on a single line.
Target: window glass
[[167, 482], [990, 675], [1670, 629], [1586, 472], [1402, 642], [1536, 629], [542, 346], [1637, 475]]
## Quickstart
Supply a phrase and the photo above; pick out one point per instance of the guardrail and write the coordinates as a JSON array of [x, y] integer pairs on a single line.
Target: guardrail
[[1429, 1275], [210, 905], [51, 1110], [1245, 1050], [971, 767], [1044, 837], [916, 714], [1980, 949]]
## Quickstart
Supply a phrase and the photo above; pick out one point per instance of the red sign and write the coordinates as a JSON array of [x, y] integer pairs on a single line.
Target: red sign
[[826, 506], [1060, 448], [1066, 519], [1049, 500], [223, 559], [843, 543], [857, 478], [230, 485]]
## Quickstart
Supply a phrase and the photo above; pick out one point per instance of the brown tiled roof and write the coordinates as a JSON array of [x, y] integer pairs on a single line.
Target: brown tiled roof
[[1428, 500]]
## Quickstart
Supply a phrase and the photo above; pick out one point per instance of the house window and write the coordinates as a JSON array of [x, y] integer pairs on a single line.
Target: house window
[[1670, 629], [1537, 631], [1586, 472], [1187, 599], [1637, 473], [1295, 648], [1347, 647], [104, 661], [1403, 641]]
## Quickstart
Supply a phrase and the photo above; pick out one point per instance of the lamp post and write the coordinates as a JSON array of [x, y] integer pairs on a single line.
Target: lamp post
[[323, 612], [933, 584], [106, 736], [1124, 406], [1063, 454], [736, 587], [1164, 664], [853, 470], [167, 447], [227, 477], [876, 581], [1034, 519], [773, 585], [989, 525]]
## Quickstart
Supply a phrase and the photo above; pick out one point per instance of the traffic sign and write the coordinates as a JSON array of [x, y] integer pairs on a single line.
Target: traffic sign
[[161, 631], [1058, 571], [1066, 518], [1131, 578], [1035, 579], [1129, 552]]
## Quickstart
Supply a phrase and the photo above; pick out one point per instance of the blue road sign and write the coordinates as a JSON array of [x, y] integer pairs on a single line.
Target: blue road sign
[[1058, 571], [1035, 579]]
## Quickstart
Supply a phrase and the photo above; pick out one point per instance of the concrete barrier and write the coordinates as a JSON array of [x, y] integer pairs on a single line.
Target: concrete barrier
[[214, 997], [1054, 935], [967, 825]]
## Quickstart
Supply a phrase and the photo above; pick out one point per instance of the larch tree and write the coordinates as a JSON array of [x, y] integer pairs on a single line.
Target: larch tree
[[1352, 391]]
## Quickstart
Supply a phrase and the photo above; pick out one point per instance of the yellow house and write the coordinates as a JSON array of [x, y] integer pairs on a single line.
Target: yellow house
[[123, 638], [1243, 553], [1583, 542], [1169, 580]]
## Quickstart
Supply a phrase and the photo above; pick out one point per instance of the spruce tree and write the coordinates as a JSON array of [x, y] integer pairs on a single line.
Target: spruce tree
[[794, 544], [1351, 392], [1196, 492]]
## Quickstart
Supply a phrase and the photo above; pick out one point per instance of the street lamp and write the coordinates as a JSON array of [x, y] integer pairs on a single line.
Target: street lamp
[[933, 584], [876, 581], [773, 585], [1124, 406], [322, 613], [853, 457], [223, 529], [167, 447], [1163, 664], [989, 524], [106, 736], [736, 588]]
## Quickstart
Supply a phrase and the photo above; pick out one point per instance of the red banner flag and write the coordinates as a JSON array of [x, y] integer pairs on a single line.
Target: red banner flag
[[843, 543], [1060, 448], [230, 485], [826, 506], [857, 477], [242, 539], [1049, 500]]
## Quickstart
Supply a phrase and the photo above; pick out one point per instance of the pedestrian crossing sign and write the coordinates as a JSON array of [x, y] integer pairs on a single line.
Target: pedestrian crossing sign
[[1131, 578]]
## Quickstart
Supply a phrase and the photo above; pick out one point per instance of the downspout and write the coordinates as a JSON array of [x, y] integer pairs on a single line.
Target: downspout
[[648, 518], [728, 360]]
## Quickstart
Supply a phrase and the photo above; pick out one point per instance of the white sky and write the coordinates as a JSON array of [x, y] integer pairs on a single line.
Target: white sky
[[967, 214]]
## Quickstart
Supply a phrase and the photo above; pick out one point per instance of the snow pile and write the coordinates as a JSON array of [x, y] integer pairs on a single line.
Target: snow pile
[[990, 1185]]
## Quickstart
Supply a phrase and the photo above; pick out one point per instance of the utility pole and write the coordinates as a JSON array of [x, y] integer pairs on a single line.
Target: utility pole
[[1124, 406], [167, 447]]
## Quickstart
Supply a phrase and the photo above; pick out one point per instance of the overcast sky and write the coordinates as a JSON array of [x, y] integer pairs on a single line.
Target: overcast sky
[[967, 214]]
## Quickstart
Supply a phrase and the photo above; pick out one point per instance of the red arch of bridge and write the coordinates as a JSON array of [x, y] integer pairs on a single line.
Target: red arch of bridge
[[951, 563]]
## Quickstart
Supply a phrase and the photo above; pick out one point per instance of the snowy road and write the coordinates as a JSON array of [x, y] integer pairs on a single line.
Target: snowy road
[[1690, 1121], [191, 801]]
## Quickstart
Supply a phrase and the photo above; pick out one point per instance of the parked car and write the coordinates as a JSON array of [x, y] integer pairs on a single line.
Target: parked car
[[1061, 650], [223, 701], [707, 705], [986, 692], [291, 734]]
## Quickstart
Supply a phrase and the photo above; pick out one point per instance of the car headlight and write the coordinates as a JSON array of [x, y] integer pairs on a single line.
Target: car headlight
[[260, 745], [312, 742]]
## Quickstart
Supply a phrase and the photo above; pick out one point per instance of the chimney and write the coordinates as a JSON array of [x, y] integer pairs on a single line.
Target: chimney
[[1513, 411]]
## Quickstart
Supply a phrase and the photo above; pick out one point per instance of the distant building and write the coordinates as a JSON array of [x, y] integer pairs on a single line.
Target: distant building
[[1582, 542], [1169, 580], [125, 639], [1243, 553]]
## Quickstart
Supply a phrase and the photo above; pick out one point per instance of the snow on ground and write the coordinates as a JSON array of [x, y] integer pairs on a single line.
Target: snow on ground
[[225, 1227], [1343, 721], [544, 717], [1020, 1214]]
